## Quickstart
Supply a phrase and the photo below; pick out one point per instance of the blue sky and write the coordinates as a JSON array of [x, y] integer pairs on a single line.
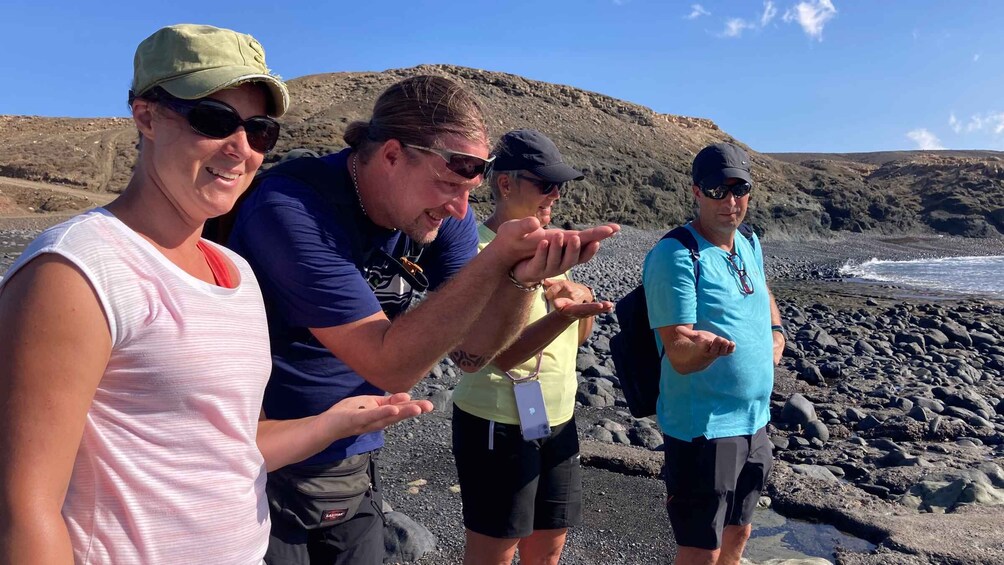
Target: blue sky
[[780, 75]]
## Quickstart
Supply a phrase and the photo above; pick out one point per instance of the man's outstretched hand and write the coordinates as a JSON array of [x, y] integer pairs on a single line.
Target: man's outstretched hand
[[560, 250]]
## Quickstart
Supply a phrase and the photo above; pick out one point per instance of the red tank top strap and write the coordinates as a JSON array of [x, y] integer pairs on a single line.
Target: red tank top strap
[[217, 264]]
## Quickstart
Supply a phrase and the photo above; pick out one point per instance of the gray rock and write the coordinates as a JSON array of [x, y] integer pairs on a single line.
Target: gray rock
[[818, 430], [601, 371], [983, 338], [853, 414], [600, 434], [812, 375], [649, 438], [868, 423], [956, 332], [935, 338], [862, 346], [601, 344], [912, 349], [798, 442], [969, 400], [611, 425], [931, 404], [798, 410], [593, 393], [832, 370], [405, 539], [920, 414], [780, 442], [440, 399], [815, 472], [621, 438], [901, 459], [585, 360], [885, 444]]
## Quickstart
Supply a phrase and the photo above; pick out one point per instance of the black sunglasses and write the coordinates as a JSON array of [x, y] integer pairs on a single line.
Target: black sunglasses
[[545, 186], [464, 164], [737, 264], [739, 190], [218, 120]]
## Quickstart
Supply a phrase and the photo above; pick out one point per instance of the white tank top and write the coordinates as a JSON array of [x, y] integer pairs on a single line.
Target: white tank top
[[168, 470]]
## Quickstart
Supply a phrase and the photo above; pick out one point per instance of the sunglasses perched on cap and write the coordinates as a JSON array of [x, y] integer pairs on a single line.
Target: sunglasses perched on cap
[[545, 186], [738, 190], [464, 164], [218, 120]]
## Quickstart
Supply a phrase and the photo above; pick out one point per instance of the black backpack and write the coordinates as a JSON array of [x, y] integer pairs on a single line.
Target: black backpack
[[637, 359]]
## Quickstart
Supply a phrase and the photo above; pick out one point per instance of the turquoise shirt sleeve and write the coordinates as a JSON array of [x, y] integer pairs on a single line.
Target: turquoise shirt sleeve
[[668, 278]]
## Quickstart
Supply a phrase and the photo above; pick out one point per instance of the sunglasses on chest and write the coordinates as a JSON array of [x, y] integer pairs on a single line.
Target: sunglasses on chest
[[219, 120], [719, 192], [464, 164]]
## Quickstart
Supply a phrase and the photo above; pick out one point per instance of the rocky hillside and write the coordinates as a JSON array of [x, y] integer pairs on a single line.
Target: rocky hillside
[[637, 161]]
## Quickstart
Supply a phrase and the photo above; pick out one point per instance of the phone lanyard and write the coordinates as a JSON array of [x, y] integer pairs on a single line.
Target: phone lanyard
[[531, 376], [536, 370]]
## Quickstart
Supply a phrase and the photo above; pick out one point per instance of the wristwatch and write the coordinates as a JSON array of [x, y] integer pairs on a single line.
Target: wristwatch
[[779, 329]]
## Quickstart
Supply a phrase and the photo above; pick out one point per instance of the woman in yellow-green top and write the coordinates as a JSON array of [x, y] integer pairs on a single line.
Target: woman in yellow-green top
[[514, 436]]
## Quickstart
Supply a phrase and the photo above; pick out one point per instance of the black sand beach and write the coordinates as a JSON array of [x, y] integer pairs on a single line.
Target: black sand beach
[[887, 414]]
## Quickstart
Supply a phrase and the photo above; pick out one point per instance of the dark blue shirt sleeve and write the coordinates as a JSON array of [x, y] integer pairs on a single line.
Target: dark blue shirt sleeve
[[303, 258], [454, 247]]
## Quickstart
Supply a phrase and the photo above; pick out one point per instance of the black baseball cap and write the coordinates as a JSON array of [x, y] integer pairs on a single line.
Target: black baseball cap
[[721, 161], [530, 150]]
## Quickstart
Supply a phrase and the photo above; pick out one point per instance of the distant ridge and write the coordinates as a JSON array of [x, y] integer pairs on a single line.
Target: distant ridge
[[883, 157], [637, 161]]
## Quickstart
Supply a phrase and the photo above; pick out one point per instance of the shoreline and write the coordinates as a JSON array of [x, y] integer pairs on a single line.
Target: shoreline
[[909, 409]]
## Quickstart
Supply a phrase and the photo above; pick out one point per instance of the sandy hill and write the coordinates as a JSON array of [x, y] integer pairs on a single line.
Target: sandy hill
[[637, 161]]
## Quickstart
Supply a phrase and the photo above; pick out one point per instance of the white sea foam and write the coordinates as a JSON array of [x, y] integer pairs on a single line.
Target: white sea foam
[[982, 275]]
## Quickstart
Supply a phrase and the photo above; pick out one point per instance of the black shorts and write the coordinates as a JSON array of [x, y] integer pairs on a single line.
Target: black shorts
[[510, 487], [714, 483]]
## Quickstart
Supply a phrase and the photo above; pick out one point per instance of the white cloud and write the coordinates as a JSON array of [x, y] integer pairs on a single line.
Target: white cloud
[[812, 16], [924, 139], [769, 11], [954, 123], [696, 11], [975, 123], [996, 122], [976, 57], [990, 121], [734, 27]]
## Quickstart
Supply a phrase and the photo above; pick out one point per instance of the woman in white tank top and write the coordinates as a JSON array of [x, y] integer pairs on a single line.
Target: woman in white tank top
[[134, 354]]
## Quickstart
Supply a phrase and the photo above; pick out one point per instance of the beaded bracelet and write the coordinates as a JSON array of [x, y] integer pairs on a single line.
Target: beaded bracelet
[[521, 286]]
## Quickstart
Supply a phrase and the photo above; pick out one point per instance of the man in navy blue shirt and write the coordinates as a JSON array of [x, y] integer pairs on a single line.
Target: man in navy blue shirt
[[338, 267]]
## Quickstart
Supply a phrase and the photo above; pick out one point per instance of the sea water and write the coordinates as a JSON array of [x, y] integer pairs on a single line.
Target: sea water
[[982, 276]]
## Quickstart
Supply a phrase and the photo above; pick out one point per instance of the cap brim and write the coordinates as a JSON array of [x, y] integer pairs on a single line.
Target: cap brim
[[718, 177], [205, 82], [558, 172]]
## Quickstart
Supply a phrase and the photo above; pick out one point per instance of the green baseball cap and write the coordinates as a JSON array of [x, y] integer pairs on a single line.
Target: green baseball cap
[[193, 61]]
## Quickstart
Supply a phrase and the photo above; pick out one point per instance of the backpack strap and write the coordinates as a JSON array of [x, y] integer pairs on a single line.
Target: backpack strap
[[747, 232], [687, 239], [689, 242]]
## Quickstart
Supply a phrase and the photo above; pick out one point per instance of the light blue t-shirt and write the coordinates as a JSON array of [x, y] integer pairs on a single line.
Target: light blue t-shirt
[[730, 397]]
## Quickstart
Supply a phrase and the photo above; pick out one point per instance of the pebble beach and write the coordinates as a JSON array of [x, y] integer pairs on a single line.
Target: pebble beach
[[887, 418]]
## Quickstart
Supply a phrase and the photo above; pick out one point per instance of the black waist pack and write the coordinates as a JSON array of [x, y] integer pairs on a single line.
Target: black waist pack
[[320, 496]]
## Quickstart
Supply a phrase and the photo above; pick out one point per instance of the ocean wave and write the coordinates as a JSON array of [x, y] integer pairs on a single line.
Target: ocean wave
[[969, 274]]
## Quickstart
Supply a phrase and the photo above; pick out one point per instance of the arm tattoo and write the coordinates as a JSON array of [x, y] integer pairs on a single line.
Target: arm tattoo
[[468, 361]]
